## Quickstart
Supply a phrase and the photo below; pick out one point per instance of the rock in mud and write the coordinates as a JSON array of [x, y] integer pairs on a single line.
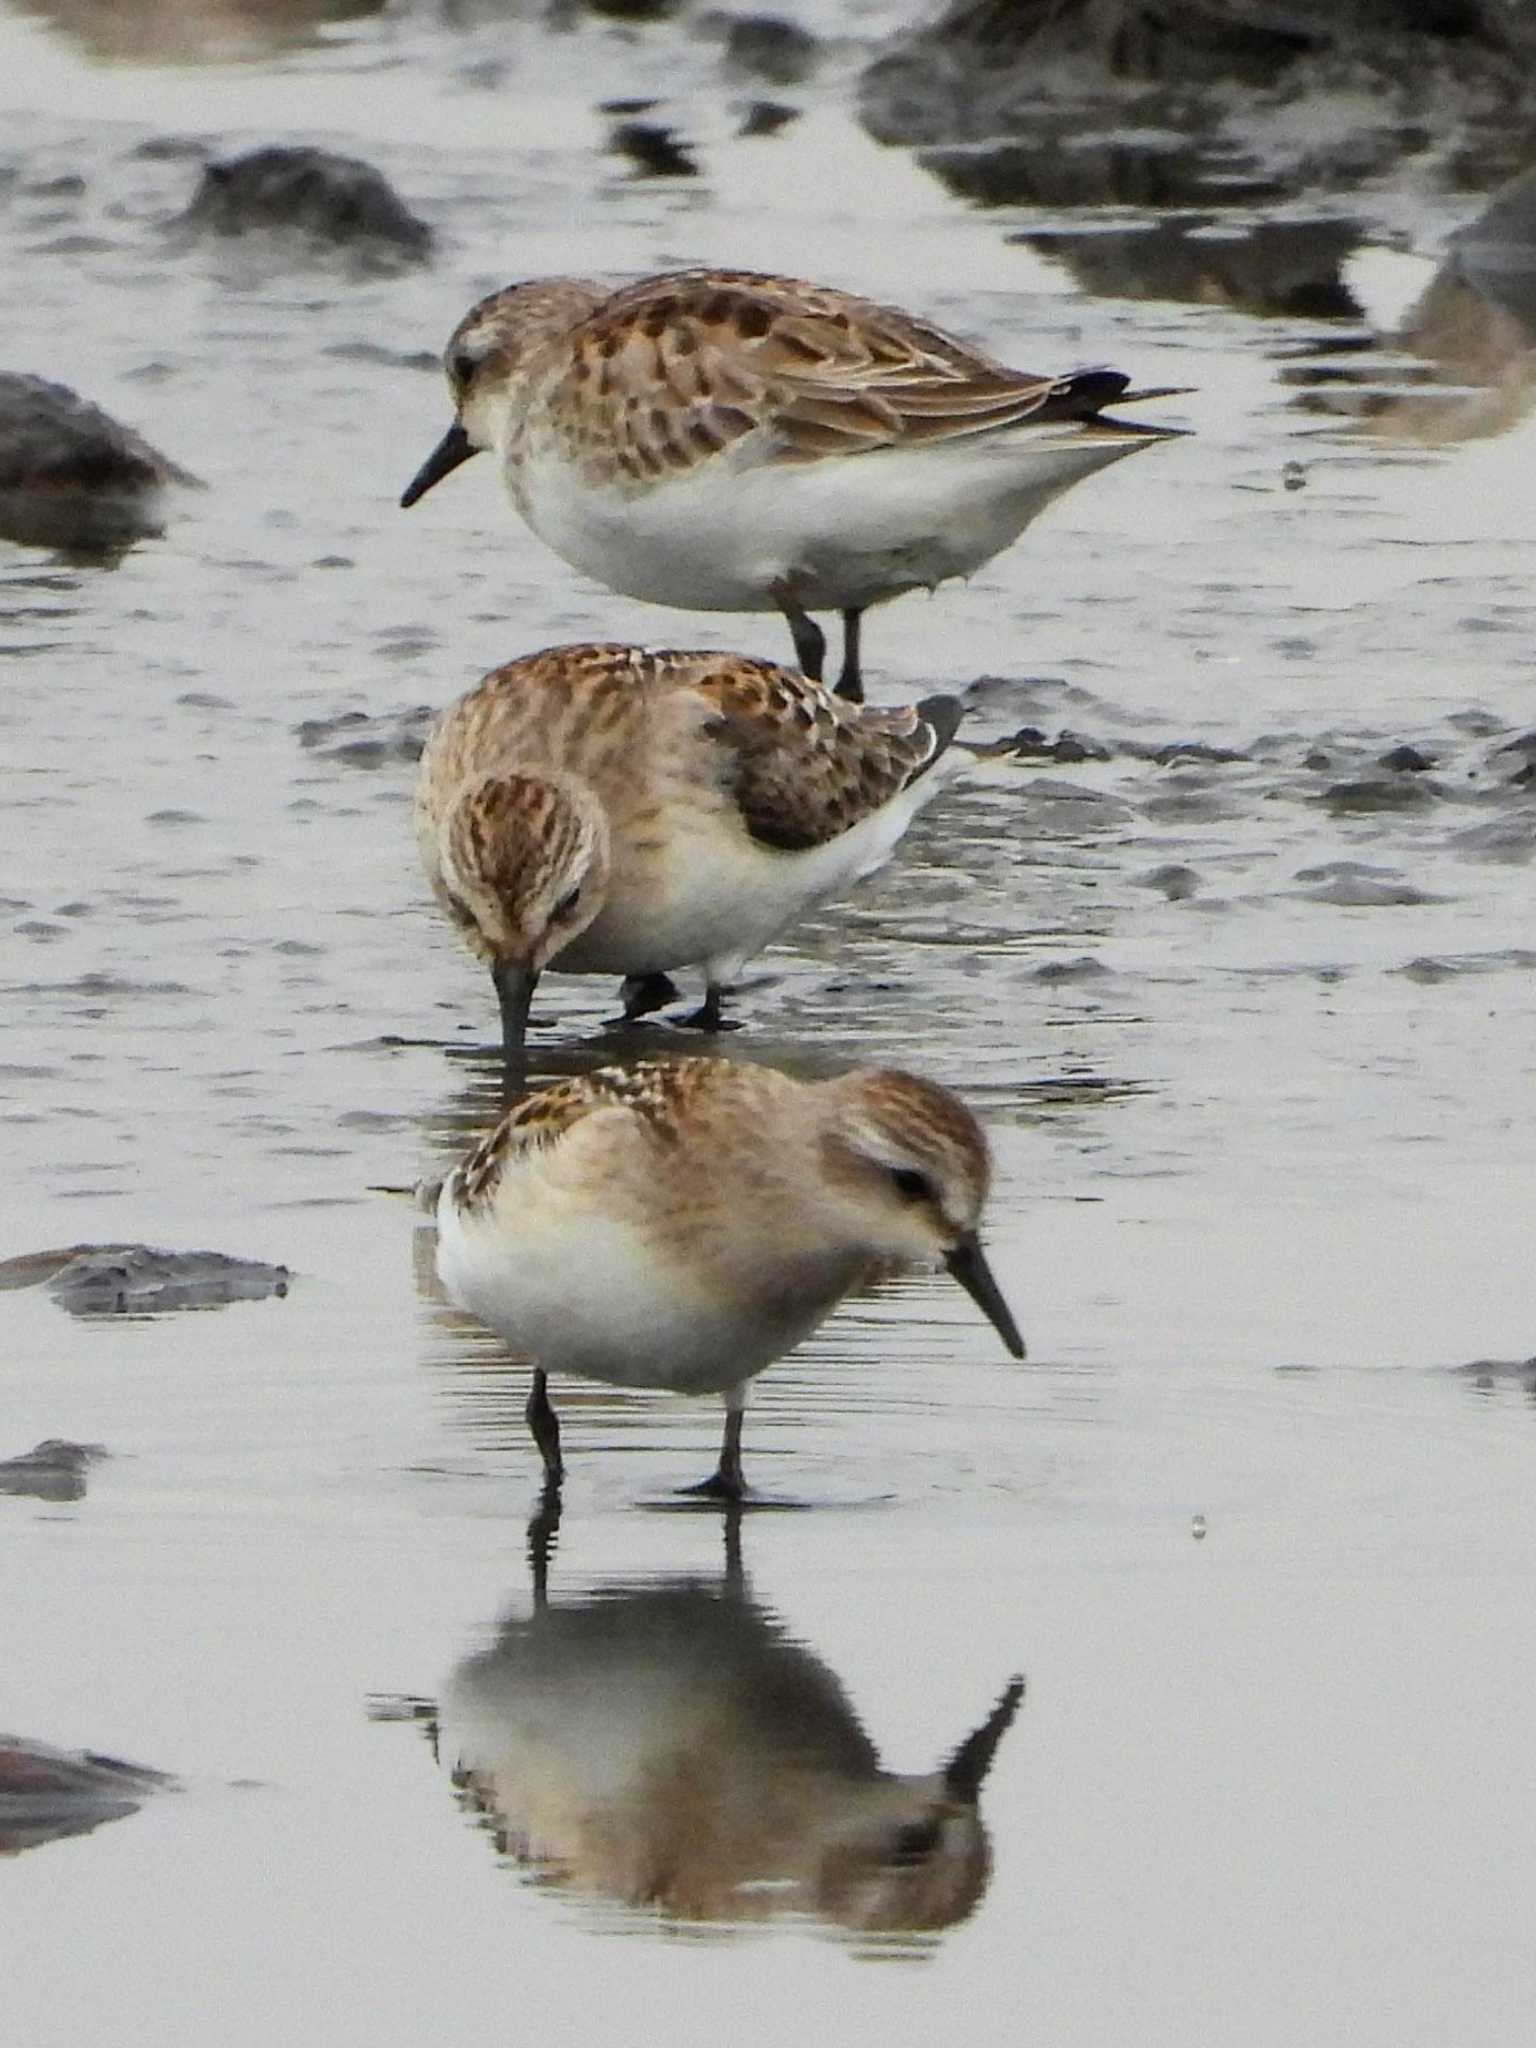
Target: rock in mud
[[138, 1279], [319, 203], [1492, 1372], [1377, 793], [560, 11], [1083, 968], [1365, 892], [1029, 743], [366, 740], [1184, 753], [47, 1793], [653, 149], [55, 1469], [1172, 879], [766, 117], [768, 47], [71, 476], [1510, 839], [1099, 75]]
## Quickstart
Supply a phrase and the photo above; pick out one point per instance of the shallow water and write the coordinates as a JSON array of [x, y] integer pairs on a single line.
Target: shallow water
[[1255, 1050]]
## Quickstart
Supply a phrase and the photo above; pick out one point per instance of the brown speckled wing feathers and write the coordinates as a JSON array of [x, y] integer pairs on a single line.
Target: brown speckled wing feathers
[[822, 371], [802, 765], [661, 1093]]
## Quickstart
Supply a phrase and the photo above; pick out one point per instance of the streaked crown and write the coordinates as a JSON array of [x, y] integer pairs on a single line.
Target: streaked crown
[[495, 339], [922, 1138], [525, 858]]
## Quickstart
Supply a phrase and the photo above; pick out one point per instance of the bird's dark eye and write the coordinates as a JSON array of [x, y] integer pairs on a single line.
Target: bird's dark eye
[[914, 1844], [911, 1185], [567, 904], [461, 366]]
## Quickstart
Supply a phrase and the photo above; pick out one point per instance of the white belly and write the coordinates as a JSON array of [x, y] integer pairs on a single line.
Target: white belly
[[723, 897], [585, 1295], [844, 532]]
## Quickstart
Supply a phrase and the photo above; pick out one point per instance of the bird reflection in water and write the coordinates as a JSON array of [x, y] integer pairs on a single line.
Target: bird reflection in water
[[670, 1747]]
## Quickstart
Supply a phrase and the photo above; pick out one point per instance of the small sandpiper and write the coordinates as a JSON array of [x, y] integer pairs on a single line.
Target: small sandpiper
[[725, 441], [621, 810], [683, 1224]]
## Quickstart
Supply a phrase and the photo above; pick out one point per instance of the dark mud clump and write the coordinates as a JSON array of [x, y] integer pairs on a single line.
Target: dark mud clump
[[1488, 1373], [314, 202], [47, 1793], [137, 1279], [365, 740], [71, 476], [1377, 793], [767, 47], [1361, 885], [1173, 879], [1104, 76], [1030, 743], [652, 149], [55, 1469]]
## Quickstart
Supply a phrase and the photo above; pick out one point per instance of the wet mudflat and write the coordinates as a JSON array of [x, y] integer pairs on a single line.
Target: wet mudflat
[[1243, 990]]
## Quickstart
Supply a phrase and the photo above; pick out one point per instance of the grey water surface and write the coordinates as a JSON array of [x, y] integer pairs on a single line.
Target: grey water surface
[[1242, 979]]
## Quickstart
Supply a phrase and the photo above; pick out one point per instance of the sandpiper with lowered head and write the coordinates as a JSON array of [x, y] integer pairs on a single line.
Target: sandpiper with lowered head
[[619, 810], [682, 1224], [725, 441]]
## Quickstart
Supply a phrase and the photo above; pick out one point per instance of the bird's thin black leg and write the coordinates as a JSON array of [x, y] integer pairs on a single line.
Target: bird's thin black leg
[[545, 1425], [850, 683], [810, 641]]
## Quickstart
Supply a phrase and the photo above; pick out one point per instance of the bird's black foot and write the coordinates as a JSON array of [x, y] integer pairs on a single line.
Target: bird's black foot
[[643, 993], [710, 1015], [721, 1485]]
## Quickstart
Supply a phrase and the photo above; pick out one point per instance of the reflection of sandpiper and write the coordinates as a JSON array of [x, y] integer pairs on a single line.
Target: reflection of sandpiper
[[619, 810], [725, 441], [683, 1224], [671, 1747]]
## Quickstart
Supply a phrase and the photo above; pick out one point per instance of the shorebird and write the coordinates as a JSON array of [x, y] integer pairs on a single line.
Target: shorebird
[[683, 1224], [619, 810], [725, 441]]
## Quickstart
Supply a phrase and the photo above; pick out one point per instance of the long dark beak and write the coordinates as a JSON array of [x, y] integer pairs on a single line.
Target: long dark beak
[[973, 1759], [515, 983], [967, 1262], [455, 447]]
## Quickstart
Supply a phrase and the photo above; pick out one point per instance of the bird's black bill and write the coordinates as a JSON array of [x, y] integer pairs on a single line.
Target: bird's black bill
[[455, 447], [966, 1769], [967, 1263], [515, 983]]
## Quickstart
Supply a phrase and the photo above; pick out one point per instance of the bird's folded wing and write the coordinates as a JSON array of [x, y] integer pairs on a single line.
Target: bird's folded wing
[[803, 766]]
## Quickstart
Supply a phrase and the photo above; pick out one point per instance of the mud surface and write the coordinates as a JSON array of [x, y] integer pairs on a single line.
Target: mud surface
[[1229, 942]]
